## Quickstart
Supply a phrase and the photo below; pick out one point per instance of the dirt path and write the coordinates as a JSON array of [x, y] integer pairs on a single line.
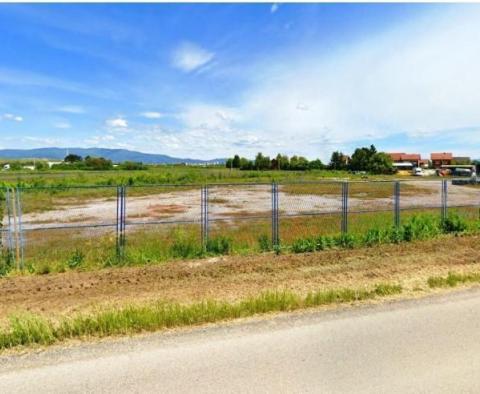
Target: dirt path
[[229, 278]]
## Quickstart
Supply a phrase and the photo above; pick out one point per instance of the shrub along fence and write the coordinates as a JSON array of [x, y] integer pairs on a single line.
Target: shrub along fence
[[54, 228]]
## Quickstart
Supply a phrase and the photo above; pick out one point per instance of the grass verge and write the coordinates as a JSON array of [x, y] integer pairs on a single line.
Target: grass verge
[[29, 329], [453, 279]]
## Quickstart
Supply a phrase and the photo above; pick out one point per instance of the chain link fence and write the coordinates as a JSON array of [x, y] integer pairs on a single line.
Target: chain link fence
[[109, 225]]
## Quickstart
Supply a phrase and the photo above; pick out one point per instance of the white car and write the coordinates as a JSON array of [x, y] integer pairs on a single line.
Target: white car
[[417, 171]]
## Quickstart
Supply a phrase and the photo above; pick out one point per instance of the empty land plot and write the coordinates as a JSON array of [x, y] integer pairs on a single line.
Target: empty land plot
[[84, 206]]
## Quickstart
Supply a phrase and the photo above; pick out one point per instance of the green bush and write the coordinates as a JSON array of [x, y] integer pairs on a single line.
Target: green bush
[[219, 245], [264, 243], [323, 242], [347, 241], [303, 245], [418, 227], [421, 227], [185, 249], [374, 236], [76, 259], [454, 224], [7, 262]]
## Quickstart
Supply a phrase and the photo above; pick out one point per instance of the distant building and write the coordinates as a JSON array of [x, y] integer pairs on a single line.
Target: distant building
[[462, 160], [32, 168], [407, 160], [52, 163], [6, 167], [346, 159], [441, 159]]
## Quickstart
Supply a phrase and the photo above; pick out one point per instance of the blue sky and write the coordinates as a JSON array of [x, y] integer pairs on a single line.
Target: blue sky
[[211, 80]]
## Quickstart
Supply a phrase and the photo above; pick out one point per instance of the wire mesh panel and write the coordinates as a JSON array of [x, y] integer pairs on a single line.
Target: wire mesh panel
[[309, 209], [420, 197], [67, 227], [241, 214], [163, 221], [463, 199], [371, 205], [5, 239]]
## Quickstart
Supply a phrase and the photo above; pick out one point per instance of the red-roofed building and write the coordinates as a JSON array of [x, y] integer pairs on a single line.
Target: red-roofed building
[[413, 158], [441, 159]]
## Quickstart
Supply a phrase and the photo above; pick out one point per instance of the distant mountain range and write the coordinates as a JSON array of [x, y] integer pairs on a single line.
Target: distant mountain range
[[116, 155]]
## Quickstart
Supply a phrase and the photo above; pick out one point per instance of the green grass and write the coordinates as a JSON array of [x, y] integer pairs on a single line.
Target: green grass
[[453, 280], [48, 252], [165, 174], [419, 227], [28, 329]]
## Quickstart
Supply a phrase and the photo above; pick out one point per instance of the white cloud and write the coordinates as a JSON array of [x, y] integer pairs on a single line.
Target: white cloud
[[100, 139], [12, 117], [274, 8], [208, 117], [41, 141], [151, 115], [62, 125], [188, 57], [72, 109], [117, 123], [419, 78]]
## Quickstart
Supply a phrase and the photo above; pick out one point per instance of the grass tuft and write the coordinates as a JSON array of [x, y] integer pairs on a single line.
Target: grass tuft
[[453, 280]]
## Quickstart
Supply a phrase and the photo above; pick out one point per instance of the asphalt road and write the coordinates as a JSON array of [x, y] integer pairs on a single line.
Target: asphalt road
[[431, 345]]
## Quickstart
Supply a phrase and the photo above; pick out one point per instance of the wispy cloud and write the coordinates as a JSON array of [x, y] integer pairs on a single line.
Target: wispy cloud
[[12, 117], [72, 109], [151, 115], [274, 8], [101, 140], [188, 57], [117, 123], [15, 77], [62, 125]]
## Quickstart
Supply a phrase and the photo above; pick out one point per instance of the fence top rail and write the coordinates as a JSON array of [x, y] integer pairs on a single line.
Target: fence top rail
[[62, 187], [239, 184]]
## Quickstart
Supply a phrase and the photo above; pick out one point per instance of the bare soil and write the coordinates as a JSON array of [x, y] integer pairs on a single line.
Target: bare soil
[[230, 278], [183, 205]]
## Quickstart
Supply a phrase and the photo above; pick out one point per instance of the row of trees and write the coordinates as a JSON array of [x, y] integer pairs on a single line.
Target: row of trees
[[280, 162], [73, 161], [363, 159]]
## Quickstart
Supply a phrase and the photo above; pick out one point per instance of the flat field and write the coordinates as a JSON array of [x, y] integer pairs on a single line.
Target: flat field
[[71, 226]]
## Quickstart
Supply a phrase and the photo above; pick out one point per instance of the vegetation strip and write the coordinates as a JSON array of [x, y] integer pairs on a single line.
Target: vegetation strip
[[28, 329], [453, 279]]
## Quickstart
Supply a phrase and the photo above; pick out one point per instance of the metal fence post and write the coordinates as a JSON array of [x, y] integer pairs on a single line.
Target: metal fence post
[[18, 202], [8, 203], [275, 216], [345, 207], [204, 216], [121, 219], [397, 204], [444, 212], [124, 218], [118, 222]]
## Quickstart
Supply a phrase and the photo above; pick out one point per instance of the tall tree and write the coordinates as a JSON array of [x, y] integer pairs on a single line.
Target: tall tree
[[337, 161], [236, 161]]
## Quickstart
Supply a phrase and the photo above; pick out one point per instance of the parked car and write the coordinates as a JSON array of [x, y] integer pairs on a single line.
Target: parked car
[[417, 171]]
